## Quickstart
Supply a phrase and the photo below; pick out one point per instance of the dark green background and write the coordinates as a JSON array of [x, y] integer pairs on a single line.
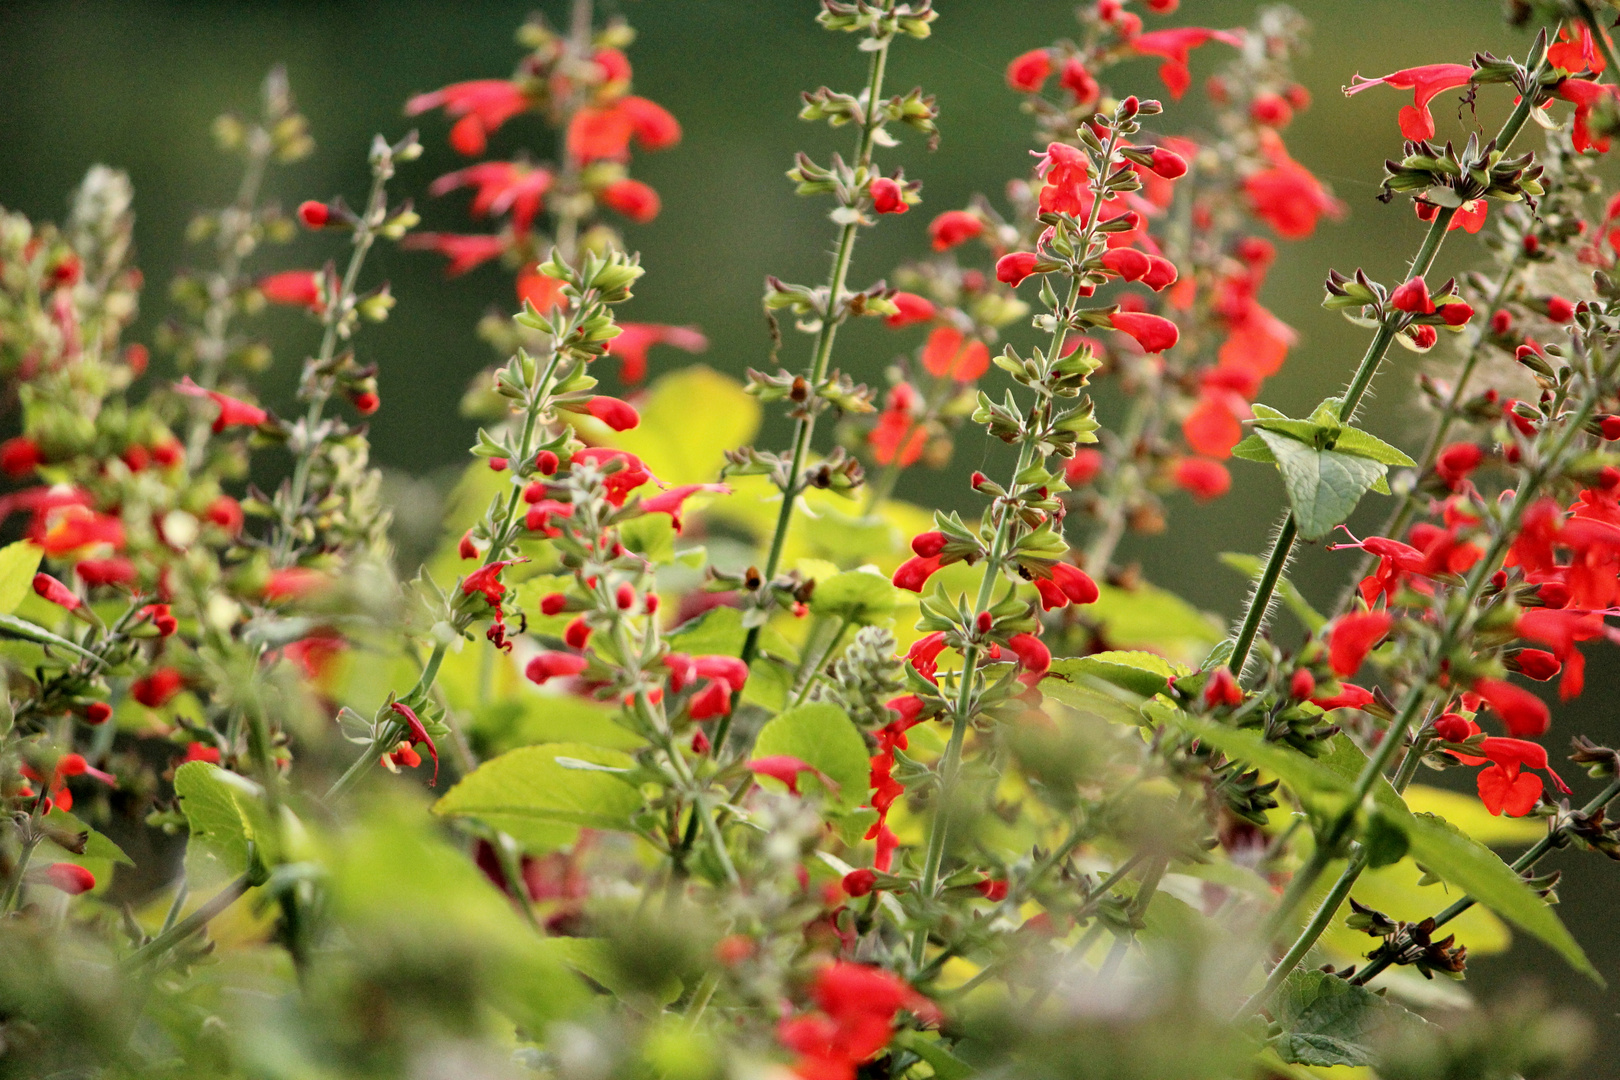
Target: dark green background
[[135, 85]]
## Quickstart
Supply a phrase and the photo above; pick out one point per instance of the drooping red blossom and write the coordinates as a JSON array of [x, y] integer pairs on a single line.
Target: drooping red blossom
[[1202, 478], [949, 354], [1174, 46], [486, 581], [553, 665], [1028, 72], [1520, 710], [1585, 96], [635, 200], [954, 227], [480, 107], [673, 500], [1353, 637], [294, 288], [635, 339], [1153, 332], [1398, 564], [158, 688], [615, 413], [1033, 655], [501, 186], [1350, 696], [1014, 267], [1560, 630], [1285, 195], [464, 251], [70, 878], [914, 573], [887, 196], [913, 309], [1066, 584], [1503, 788], [232, 411], [1425, 82], [1222, 689], [787, 769], [55, 592], [417, 735]]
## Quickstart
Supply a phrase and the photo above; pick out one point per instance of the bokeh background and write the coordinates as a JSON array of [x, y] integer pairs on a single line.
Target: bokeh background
[[135, 83]]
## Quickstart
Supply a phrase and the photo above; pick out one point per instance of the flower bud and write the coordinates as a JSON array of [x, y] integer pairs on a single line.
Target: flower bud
[[1501, 321], [546, 463], [887, 198], [1453, 728], [983, 622], [625, 597], [56, 592], [1560, 310], [1301, 685], [859, 883], [1222, 689], [1013, 268], [553, 603], [929, 544], [71, 878], [1168, 163], [577, 634], [314, 215], [1412, 297]]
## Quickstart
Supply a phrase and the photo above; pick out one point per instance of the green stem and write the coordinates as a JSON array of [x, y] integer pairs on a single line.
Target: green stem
[[820, 357], [191, 924], [1359, 384]]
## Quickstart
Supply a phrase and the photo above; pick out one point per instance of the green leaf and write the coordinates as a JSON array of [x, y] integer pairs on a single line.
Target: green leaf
[[1142, 673], [689, 420], [651, 536], [1355, 441], [1149, 617], [1254, 448], [1471, 866], [1251, 565], [822, 735], [1469, 814], [1310, 779], [96, 845], [19, 563], [1323, 486], [718, 630], [928, 1046], [21, 628], [527, 794], [1326, 1020], [864, 597], [225, 813]]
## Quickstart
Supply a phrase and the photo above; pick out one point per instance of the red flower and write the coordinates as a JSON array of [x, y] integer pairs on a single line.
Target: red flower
[[553, 665], [1584, 96], [114, 571], [1028, 73], [540, 290], [633, 199], [1397, 564], [1560, 310], [603, 133], [1559, 630], [629, 475], [20, 456], [502, 186], [57, 593], [1456, 462], [1425, 83], [947, 355], [1520, 710], [897, 436], [671, 502], [1128, 263], [1153, 332], [1066, 584], [616, 414], [293, 582], [294, 288], [635, 339], [787, 770], [1033, 656], [1413, 297], [858, 1006], [1174, 46], [954, 227], [71, 878], [1079, 82], [1083, 467], [1503, 788], [157, 689], [1578, 53], [486, 581], [226, 512], [1222, 689], [1353, 637], [1168, 164], [1216, 424], [1013, 268], [1286, 196], [914, 573], [913, 309], [1202, 478], [481, 105], [416, 735], [887, 196], [232, 412], [464, 252], [1350, 696]]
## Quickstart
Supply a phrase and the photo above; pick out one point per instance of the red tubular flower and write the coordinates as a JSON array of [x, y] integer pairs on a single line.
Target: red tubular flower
[[1168, 164], [232, 412], [1520, 710], [1174, 46], [1202, 478], [616, 414], [913, 309], [535, 288], [897, 436], [923, 656], [914, 573], [1153, 332], [635, 339], [928, 545], [68, 528], [57, 593], [157, 689], [114, 571], [711, 701], [1301, 685], [1033, 655], [1353, 637], [887, 198], [1161, 273], [1503, 788], [630, 474], [481, 106], [787, 770], [1585, 96], [1072, 583], [948, 353], [553, 665], [486, 581], [1350, 696], [71, 878], [1559, 630], [1286, 196], [654, 126], [1216, 424], [1537, 664], [464, 252], [635, 200], [1013, 268], [20, 456], [1413, 297], [858, 1005], [1079, 82], [417, 735], [1222, 689], [502, 186], [577, 634], [1426, 83], [1456, 462], [1028, 72], [294, 288], [672, 501], [954, 227], [1128, 263]]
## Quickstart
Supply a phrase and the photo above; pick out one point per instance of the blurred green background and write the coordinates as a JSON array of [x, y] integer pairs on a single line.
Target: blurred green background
[[135, 84]]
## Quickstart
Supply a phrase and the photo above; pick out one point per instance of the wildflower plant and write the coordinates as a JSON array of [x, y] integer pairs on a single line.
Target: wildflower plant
[[687, 757]]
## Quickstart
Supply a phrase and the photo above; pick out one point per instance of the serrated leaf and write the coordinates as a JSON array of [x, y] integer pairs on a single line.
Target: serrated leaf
[[19, 563], [822, 735], [1323, 486], [529, 795], [1469, 865], [1326, 1020], [864, 597]]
